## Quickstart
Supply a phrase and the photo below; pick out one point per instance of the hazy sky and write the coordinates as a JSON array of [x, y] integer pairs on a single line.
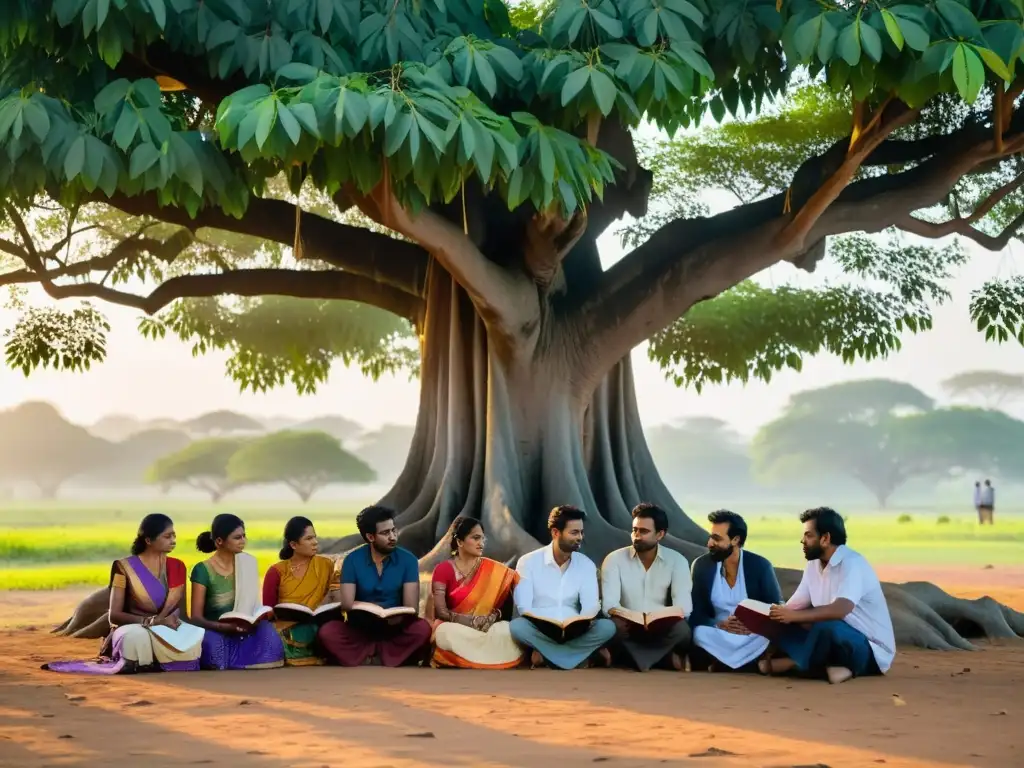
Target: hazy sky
[[162, 379]]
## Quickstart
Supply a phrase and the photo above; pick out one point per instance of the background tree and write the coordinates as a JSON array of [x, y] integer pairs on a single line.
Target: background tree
[[702, 457], [341, 429], [304, 461], [131, 458], [883, 434], [202, 465], [37, 445], [221, 423], [992, 389], [497, 156]]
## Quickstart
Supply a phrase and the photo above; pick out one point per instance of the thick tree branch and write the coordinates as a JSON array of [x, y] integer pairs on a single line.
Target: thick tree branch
[[963, 228], [356, 250], [692, 260], [326, 284], [549, 237], [505, 302]]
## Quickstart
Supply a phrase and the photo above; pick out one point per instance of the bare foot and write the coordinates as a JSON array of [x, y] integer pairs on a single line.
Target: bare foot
[[775, 666], [713, 667], [537, 660], [677, 662], [603, 658], [837, 675]]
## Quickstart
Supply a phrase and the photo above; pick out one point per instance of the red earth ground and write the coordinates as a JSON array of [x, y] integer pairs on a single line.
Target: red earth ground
[[933, 709]]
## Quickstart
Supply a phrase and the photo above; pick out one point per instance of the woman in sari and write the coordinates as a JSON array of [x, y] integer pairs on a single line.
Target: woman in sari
[[146, 591], [301, 578], [469, 592], [229, 582]]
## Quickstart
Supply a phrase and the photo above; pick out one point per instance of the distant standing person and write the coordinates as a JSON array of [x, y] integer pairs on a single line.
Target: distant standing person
[[977, 499], [988, 503]]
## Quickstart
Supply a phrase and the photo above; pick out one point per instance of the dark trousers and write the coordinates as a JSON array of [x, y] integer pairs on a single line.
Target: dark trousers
[[828, 644], [351, 646]]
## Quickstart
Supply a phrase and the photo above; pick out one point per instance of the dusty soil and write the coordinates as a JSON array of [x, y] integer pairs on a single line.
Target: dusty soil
[[933, 709]]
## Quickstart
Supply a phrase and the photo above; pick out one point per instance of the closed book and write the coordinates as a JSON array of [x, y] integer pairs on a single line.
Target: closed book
[[755, 616]]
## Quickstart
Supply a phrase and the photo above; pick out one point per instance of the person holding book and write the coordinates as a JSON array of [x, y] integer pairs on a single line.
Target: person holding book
[[557, 599], [147, 590], [838, 621], [380, 595], [723, 578], [645, 589], [226, 602], [469, 592], [301, 578]]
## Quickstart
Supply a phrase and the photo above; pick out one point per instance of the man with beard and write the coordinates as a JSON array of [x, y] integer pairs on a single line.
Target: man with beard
[[839, 621], [557, 582], [383, 574], [642, 580], [722, 578]]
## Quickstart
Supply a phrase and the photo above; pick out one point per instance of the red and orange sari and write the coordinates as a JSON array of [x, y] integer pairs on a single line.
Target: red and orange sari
[[486, 590]]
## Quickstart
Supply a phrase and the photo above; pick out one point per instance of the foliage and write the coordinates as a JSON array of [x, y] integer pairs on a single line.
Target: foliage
[[993, 388], [273, 339], [131, 457], [38, 445], [202, 464], [221, 422], [304, 461], [883, 433], [752, 331], [904, 519]]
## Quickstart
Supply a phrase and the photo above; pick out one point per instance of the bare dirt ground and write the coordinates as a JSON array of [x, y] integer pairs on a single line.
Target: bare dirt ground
[[933, 709]]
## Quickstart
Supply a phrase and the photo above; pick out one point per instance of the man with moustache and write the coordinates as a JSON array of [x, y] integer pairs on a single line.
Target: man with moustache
[[722, 578], [384, 574], [839, 623], [647, 577], [558, 582]]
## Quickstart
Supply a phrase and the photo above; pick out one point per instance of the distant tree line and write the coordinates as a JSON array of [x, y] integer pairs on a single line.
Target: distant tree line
[[878, 434]]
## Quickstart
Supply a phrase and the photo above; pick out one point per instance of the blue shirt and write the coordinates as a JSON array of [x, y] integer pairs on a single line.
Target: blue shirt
[[384, 588]]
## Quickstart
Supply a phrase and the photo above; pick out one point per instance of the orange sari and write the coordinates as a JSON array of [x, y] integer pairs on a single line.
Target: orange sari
[[456, 645]]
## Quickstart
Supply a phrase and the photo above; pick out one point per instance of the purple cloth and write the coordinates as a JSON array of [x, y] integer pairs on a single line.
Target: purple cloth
[[259, 647], [114, 662]]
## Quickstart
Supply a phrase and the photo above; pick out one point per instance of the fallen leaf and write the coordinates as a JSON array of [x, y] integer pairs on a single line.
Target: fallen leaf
[[140, 703], [713, 752], [423, 735], [65, 736]]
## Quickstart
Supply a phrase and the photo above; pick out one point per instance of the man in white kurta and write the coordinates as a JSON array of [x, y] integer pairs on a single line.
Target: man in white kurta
[[720, 583]]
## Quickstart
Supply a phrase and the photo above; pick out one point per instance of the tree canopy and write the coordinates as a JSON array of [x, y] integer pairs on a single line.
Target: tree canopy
[[236, 138], [991, 388], [884, 433], [304, 461], [202, 465]]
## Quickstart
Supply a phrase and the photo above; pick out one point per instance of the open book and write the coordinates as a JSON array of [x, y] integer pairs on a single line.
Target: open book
[[561, 630], [303, 615], [654, 621], [183, 638], [376, 619], [754, 615], [248, 618]]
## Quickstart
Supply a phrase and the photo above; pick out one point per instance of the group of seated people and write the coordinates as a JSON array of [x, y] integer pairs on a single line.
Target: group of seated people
[[646, 608]]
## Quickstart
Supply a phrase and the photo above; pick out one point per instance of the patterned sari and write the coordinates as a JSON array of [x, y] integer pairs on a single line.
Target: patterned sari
[[258, 649], [280, 586], [486, 590], [132, 647]]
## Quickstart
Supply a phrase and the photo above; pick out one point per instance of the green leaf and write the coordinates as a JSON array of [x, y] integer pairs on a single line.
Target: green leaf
[[958, 20], [914, 34], [485, 72], [266, 113], [352, 109], [396, 132], [968, 73], [37, 119], [574, 84], [604, 91], [289, 123], [158, 11], [142, 159], [298, 72], [74, 161], [805, 39], [547, 158], [892, 26], [126, 128], [613, 27], [992, 60], [306, 115], [111, 96], [870, 41], [849, 45]]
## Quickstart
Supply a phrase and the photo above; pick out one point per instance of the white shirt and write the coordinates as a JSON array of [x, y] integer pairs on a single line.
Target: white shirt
[[977, 495], [546, 590], [625, 583], [988, 496], [849, 575]]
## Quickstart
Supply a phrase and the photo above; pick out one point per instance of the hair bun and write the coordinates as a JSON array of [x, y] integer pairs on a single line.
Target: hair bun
[[286, 552], [205, 543]]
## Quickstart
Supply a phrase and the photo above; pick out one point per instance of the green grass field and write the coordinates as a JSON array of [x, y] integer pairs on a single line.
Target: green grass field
[[61, 544]]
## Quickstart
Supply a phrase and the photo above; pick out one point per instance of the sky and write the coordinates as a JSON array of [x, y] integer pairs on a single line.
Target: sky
[[160, 379]]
